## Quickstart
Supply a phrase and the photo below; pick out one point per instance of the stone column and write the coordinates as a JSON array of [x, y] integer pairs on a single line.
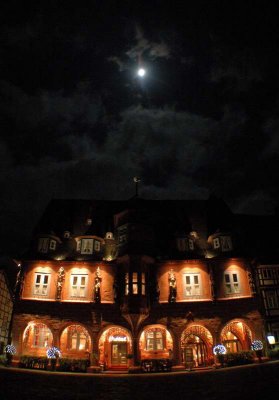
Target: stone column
[[176, 348]]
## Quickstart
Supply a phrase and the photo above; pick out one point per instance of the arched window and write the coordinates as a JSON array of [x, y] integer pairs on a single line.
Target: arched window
[[37, 335], [77, 338], [154, 339]]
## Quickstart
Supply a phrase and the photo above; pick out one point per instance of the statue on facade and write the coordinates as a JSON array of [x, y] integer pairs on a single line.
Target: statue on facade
[[212, 284], [97, 286], [60, 281], [251, 282], [172, 287], [19, 282]]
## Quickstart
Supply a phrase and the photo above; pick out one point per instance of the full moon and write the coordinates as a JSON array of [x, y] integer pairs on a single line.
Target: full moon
[[141, 72]]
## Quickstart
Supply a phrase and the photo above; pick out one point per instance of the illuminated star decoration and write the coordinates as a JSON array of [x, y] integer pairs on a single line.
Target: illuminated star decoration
[[53, 352], [257, 345], [10, 349], [219, 349]]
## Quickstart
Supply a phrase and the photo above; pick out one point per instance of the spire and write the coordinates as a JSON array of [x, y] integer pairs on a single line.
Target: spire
[[136, 181]]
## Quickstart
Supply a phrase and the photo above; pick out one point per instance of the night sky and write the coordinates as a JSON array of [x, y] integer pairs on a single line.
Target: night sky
[[77, 121]]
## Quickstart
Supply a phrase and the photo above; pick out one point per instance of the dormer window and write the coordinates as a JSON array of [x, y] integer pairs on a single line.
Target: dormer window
[[191, 244], [43, 245], [109, 235], [216, 243], [185, 244], [226, 243], [122, 235], [52, 244], [66, 234], [86, 246], [97, 245]]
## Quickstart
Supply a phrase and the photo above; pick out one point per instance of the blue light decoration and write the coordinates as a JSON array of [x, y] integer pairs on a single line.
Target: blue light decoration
[[219, 349], [53, 352], [257, 345], [10, 349]]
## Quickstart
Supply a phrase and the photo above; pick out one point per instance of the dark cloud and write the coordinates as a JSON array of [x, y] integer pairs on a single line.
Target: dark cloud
[[76, 122]]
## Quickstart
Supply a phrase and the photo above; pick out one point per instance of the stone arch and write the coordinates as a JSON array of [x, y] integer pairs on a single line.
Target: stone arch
[[37, 338], [75, 341], [236, 336], [196, 346], [115, 344], [155, 341]]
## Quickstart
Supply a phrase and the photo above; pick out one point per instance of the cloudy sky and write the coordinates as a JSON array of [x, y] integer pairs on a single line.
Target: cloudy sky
[[77, 121]]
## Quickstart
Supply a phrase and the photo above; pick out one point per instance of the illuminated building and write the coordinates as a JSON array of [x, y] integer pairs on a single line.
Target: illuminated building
[[118, 282]]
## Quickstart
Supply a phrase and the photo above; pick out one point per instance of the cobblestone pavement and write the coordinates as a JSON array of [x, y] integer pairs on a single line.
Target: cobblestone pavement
[[249, 382]]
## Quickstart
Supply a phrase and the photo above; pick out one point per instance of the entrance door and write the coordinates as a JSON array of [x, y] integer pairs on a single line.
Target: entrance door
[[119, 353]]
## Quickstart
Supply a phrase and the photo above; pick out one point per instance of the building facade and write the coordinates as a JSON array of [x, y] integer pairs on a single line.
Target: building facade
[[8, 272], [120, 282]]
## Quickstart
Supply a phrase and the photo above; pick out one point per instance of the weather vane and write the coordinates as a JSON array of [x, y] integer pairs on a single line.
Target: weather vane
[[137, 181]]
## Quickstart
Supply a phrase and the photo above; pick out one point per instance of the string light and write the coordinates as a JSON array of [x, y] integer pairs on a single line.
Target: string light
[[53, 352], [219, 349], [10, 349], [257, 345]]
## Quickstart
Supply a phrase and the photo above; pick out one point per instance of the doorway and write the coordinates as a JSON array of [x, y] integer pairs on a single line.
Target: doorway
[[118, 353]]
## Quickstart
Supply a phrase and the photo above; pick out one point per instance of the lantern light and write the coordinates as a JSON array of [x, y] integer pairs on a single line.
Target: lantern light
[[271, 338]]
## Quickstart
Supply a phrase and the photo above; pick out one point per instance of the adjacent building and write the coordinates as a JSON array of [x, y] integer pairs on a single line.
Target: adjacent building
[[8, 272]]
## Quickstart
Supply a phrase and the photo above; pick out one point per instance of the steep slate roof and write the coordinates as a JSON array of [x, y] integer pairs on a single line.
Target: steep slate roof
[[203, 216], [10, 268]]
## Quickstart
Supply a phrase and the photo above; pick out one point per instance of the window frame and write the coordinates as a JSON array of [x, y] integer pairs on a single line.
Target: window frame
[[79, 286], [158, 343], [196, 291], [43, 245], [41, 284], [231, 283]]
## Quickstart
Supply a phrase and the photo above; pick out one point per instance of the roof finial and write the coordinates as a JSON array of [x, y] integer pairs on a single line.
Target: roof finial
[[137, 181]]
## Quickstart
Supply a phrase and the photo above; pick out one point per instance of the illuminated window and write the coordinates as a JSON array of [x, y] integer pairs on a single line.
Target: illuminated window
[[154, 340], [135, 283], [143, 283], [126, 284], [232, 283], [192, 285], [41, 285], [77, 338], [78, 285], [86, 246], [43, 245], [42, 336]]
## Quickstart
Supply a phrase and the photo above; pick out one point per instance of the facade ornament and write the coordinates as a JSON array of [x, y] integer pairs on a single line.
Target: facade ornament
[[157, 293], [97, 286], [172, 287], [251, 282], [19, 282], [190, 316], [60, 282], [212, 283]]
